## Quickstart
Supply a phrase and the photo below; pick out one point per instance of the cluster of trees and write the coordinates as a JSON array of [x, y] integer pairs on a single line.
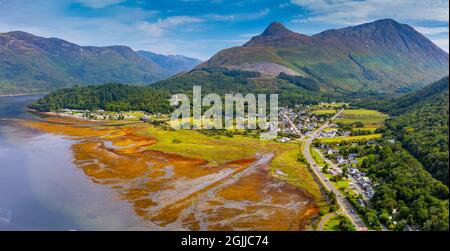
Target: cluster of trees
[[116, 97], [405, 191], [334, 206], [346, 225], [212, 80], [361, 132], [240, 75], [369, 216], [224, 81], [423, 130], [399, 105], [420, 122], [218, 132], [112, 97], [359, 147], [306, 83], [349, 127]]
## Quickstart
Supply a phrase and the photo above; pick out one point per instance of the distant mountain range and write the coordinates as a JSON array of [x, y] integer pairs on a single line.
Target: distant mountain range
[[382, 56], [379, 57], [173, 63], [29, 63]]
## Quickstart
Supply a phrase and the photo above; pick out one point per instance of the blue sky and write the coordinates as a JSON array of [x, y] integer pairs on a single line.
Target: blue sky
[[200, 28]]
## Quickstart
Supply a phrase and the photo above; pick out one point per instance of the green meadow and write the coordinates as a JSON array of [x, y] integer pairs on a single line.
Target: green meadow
[[369, 118]]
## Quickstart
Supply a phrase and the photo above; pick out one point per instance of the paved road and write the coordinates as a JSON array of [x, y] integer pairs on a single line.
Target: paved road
[[324, 220], [345, 207], [292, 125]]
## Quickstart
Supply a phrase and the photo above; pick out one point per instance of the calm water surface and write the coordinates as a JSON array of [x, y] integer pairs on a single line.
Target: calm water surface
[[40, 187]]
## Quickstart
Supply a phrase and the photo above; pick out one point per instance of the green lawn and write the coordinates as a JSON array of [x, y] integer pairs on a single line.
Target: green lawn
[[369, 118], [317, 158], [323, 111], [331, 105], [332, 224], [350, 138], [370, 129]]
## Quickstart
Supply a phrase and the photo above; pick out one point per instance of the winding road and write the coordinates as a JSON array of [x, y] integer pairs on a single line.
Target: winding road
[[345, 207]]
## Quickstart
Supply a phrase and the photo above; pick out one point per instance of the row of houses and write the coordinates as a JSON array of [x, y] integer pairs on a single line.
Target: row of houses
[[351, 159], [362, 181], [300, 117], [95, 115]]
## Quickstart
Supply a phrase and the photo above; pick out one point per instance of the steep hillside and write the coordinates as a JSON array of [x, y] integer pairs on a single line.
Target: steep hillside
[[223, 81], [383, 56], [422, 126], [30, 63]]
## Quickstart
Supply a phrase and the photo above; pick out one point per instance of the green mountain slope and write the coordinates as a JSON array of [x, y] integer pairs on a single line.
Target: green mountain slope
[[382, 56], [30, 63], [422, 126], [154, 98], [223, 81]]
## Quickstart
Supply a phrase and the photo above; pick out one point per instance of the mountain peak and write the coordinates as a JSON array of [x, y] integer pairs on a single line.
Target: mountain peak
[[276, 29], [275, 34], [386, 24], [386, 21]]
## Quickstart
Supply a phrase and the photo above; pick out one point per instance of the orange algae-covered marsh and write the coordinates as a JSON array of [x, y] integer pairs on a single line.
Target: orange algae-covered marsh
[[186, 180]]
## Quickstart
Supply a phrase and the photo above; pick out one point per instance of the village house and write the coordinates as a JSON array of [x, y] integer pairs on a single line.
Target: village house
[[340, 160], [284, 140], [332, 151], [370, 192], [392, 141]]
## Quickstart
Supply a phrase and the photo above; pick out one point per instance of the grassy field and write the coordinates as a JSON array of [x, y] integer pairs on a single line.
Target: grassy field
[[323, 111], [369, 118], [332, 224], [371, 129], [332, 105], [219, 149], [350, 138], [315, 155]]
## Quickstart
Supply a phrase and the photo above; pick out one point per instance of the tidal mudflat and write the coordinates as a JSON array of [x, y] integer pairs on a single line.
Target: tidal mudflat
[[42, 189], [195, 182]]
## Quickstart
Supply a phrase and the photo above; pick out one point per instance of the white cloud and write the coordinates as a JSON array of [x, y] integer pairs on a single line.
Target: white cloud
[[432, 30], [217, 17], [161, 26], [239, 16], [248, 35], [350, 12], [119, 27], [99, 3]]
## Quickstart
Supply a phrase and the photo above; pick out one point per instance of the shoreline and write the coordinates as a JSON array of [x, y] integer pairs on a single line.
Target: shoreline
[[22, 94], [68, 116], [62, 115]]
